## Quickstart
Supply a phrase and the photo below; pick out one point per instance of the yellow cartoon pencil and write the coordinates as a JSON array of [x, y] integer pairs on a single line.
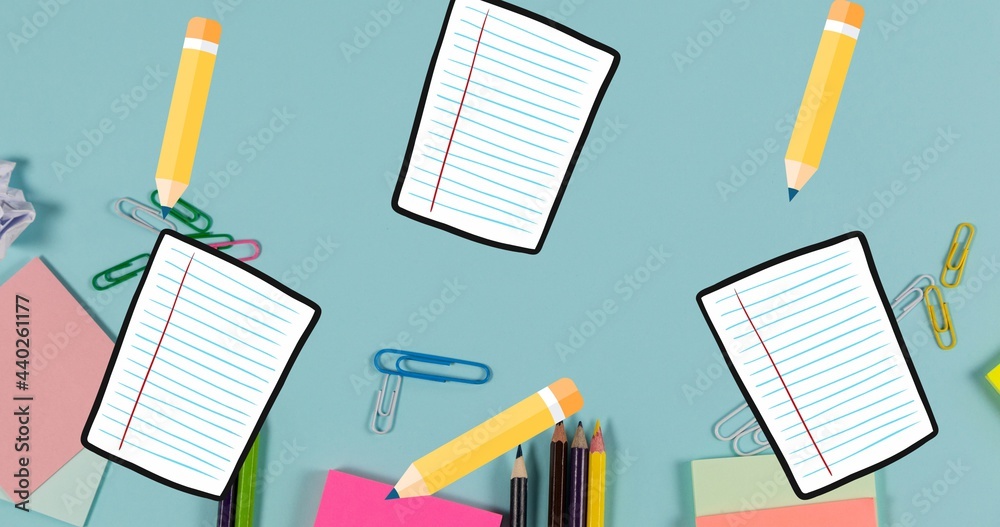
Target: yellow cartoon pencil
[[489, 440], [187, 108], [819, 104]]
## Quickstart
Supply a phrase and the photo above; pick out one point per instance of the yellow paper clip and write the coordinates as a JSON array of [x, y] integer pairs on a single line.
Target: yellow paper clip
[[959, 267], [946, 317]]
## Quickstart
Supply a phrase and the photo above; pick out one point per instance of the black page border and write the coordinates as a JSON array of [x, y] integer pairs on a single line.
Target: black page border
[[121, 337], [616, 59], [895, 328]]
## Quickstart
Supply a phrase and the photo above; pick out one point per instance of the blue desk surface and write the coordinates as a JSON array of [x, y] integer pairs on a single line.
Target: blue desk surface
[[677, 163]]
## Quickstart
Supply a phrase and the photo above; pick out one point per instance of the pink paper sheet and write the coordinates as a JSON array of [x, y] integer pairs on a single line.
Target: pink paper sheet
[[67, 355], [352, 501]]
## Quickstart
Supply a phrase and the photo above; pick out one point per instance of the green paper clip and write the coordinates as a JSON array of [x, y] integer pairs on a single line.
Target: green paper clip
[[129, 269], [106, 279], [219, 241], [186, 213]]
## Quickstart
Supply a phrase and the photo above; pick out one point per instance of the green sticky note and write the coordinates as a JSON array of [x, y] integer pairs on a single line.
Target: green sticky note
[[739, 484], [69, 494]]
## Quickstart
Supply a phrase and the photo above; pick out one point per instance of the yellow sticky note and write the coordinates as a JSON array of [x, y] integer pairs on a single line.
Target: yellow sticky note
[[994, 378]]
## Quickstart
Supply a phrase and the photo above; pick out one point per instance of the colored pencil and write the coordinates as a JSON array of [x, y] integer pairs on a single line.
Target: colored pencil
[[187, 109], [598, 479], [579, 459], [519, 492], [247, 487], [557, 476], [819, 104], [227, 508], [489, 440]]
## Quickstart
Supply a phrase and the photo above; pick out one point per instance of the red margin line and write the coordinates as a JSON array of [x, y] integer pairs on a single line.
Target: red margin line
[[143, 387], [458, 114], [783, 383]]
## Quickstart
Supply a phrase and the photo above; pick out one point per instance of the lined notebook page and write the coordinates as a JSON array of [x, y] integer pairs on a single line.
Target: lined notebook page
[[222, 339], [838, 397], [506, 106]]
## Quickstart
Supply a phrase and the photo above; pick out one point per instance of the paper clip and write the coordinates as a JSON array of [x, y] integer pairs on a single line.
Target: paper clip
[[186, 213], [231, 243], [760, 438], [739, 432], [207, 237], [945, 317], [423, 358], [755, 433], [959, 267], [749, 429], [390, 414], [133, 215], [910, 289], [127, 270]]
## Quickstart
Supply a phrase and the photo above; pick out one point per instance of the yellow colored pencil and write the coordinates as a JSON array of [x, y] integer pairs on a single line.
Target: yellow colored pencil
[[489, 440], [598, 479], [819, 104], [187, 109]]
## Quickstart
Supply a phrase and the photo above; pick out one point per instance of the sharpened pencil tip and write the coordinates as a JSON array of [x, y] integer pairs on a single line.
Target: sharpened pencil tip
[[392, 495], [791, 194], [165, 211], [519, 452]]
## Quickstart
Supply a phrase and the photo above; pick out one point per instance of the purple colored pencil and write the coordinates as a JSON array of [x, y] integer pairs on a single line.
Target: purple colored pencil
[[227, 508], [579, 463]]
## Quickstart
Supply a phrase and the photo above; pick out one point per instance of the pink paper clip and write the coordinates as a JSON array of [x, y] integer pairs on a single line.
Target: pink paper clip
[[253, 243]]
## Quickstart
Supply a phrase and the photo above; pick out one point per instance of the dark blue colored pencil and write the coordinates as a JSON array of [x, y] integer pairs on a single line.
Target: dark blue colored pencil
[[519, 492]]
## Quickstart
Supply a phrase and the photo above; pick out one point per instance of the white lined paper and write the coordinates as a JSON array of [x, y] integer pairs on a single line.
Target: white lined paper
[[821, 319], [229, 338], [507, 105]]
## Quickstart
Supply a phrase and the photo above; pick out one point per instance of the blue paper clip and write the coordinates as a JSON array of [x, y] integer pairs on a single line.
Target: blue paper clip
[[423, 358]]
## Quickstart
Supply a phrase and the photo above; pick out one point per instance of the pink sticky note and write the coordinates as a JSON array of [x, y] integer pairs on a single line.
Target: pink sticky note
[[67, 353], [856, 513], [352, 501]]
